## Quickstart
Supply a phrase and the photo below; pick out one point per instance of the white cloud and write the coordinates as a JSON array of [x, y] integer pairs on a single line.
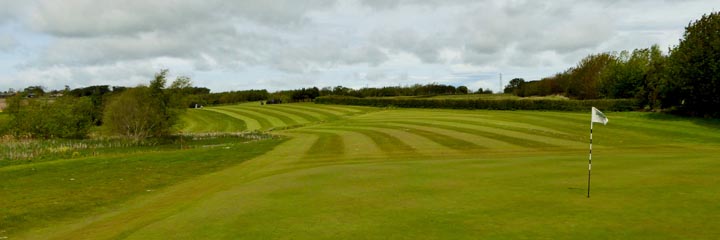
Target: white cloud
[[290, 43]]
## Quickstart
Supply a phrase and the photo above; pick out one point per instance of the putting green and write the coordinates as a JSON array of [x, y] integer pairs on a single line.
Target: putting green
[[362, 173]]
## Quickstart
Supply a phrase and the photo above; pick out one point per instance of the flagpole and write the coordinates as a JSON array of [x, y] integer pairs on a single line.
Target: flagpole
[[590, 160]]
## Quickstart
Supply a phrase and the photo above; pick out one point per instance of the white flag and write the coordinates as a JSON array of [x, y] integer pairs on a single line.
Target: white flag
[[598, 116]]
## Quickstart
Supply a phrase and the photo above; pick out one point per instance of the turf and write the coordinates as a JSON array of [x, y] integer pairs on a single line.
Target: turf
[[201, 120], [256, 117], [360, 173], [43, 193]]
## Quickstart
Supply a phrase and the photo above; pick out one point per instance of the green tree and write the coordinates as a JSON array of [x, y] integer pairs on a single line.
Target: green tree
[[135, 113], [583, 80], [657, 79], [151, 111], [462, 90], [65, 117], [35, 90], [695, 67], [515, 86]]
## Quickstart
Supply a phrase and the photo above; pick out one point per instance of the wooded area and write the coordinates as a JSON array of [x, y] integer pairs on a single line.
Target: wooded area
[[685, 81]]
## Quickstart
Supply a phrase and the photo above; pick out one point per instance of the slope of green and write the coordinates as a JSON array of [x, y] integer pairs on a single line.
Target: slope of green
[[441, 174], [201, 120], [253, 116]]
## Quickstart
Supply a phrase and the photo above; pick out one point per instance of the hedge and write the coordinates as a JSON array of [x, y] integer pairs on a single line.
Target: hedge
[[504, 104]]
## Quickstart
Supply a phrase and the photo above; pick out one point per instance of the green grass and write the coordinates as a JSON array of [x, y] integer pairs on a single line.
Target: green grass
[[202, 120], [39, 194], [362, 173], [254, 117]]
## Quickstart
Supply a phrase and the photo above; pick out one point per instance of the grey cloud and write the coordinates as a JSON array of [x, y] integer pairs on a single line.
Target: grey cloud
[[10, 10], [233, 34], [300, 40], [7, 43], [82, 18]]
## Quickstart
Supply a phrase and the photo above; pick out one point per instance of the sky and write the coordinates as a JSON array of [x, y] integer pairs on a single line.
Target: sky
[[287, 44]]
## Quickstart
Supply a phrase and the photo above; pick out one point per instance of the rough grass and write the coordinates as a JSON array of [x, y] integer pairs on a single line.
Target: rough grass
[[4, 118], [43, 193], [439, 174]]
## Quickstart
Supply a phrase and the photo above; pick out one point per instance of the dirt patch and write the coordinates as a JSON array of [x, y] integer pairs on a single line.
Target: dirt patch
[[2, 104]]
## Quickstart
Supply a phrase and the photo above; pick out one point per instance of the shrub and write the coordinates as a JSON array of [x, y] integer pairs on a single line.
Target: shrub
[[66, 117], [504, 104]]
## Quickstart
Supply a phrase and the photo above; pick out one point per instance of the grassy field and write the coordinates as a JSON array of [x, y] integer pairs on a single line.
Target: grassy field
[[253, 116], [361, 173], [39, 194]]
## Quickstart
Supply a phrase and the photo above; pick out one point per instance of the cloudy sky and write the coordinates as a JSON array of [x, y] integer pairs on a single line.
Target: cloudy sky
[[283, 44]]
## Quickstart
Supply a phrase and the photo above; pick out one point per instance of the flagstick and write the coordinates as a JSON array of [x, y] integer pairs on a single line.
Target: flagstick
[[590, 160]]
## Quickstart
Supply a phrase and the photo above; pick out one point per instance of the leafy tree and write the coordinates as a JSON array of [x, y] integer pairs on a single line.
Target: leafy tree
[[135, 113], [143, 112], [514, 86], [483, 91], [97, 97], [657, 80], [35, 90], [695, 67], [462, 90], [583, 80], [65, 117]]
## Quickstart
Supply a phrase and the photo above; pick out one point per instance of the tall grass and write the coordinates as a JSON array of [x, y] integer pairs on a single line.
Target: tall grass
[[20, 151]]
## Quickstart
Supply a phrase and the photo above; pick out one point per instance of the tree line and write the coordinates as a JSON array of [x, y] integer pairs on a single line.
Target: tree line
[[134, 112], [686, 80]]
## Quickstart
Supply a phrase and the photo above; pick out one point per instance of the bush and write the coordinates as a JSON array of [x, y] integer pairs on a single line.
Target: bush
[[504, 104], [135, 113], [66, 117]]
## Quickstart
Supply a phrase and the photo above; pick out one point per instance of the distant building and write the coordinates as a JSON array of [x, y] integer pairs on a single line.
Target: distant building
[[196, 105]]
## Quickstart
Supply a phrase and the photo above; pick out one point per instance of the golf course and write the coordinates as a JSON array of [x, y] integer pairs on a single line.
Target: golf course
[[347, 172]]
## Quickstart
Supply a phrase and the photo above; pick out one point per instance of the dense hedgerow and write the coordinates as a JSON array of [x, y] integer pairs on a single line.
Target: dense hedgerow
[[505, 104]]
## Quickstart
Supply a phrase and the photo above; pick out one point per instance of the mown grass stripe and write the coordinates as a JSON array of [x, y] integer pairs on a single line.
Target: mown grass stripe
[[342, 108], [319, 115], [327, 145], [326, 111], [272, 122], [663, 128], [442, 139], [287, 121], [251, 124], [299, 116], [386, 142], [304, 115], [480, 141], [209, 121], [523, 142], [520, 129], [262, 121], [191, 122]]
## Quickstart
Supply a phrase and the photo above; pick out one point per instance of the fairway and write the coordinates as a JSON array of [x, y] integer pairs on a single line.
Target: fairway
[[348, 172], [256, 117]]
